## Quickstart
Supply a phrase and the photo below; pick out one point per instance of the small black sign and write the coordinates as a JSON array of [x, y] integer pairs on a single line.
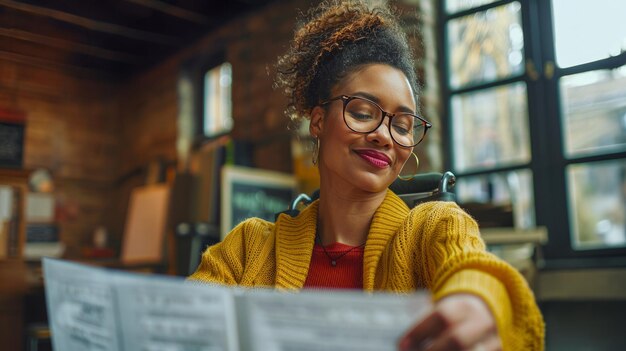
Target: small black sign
[[42, 233], [258, 200], [11, 144]]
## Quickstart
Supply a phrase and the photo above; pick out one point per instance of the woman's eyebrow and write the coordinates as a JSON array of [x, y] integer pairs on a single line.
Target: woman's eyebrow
[[374, 98]]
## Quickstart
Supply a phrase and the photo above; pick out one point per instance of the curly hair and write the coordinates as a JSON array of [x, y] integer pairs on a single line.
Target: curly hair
[[338, 39]]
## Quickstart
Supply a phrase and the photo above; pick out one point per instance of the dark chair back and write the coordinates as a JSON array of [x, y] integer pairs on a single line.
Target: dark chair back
[[422, 188]]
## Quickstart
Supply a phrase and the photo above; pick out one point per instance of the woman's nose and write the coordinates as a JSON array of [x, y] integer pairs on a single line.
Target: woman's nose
[[382, 135]]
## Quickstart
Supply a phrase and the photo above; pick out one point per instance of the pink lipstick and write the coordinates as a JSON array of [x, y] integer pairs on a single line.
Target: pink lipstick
[[375, 158]]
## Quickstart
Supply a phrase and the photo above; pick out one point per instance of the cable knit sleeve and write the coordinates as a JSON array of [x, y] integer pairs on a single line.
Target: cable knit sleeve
[[454, 260], [223, 263]]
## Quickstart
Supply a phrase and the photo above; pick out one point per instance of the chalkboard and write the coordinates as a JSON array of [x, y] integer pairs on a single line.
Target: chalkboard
[[11, 144], [250, 192]]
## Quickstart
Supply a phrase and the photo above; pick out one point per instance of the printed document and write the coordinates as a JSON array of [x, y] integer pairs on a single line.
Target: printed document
[[92, 308]]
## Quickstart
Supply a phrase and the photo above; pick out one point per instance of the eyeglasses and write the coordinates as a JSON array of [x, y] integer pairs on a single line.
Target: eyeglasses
[[365, 116]]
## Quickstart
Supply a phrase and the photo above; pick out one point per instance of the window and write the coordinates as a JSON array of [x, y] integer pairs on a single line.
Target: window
[[535, 112], [217, 107]]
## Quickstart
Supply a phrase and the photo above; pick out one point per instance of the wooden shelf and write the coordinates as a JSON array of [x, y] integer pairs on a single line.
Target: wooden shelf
[[503, 236], [13, 242], [12, 266]]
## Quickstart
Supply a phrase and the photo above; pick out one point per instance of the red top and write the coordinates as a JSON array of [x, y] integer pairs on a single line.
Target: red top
[[346, 274]]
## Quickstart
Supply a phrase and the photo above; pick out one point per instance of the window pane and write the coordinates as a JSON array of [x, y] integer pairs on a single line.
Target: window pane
[[599, 34], [490, 128], [499, 199], [218, 117], [594, 111], [453, 6], [486, 46], [597, 204]]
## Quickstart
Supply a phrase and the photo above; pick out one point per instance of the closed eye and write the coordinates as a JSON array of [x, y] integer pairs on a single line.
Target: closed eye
[[361, 116], [401, 130]]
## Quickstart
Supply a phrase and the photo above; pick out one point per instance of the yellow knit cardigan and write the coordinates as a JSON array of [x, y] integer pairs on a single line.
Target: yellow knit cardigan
[[434, 246]]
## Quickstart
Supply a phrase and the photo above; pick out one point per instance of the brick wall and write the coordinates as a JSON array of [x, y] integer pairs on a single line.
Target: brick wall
[[149, 104], [72, 130], [252, 45]]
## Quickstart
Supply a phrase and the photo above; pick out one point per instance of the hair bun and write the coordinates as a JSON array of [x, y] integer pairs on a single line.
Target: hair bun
[[305, 72]]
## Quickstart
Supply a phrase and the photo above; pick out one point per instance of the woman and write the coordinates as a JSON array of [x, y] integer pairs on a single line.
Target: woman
[[351, 73]]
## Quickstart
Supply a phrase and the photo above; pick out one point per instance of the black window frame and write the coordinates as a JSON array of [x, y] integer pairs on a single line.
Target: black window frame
[[548, 161], [195, 70]]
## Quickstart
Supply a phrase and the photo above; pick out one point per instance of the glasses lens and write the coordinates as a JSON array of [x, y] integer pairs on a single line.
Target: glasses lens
[[407, 130], [362, 116]]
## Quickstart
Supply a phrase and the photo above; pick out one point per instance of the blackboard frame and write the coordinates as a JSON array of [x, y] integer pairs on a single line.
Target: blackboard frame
[[13, 134], [243, 185]]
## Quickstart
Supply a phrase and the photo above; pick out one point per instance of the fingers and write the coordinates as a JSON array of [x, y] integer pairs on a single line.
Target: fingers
[[459, 322], [492, 343], [465, 336], [456, 341], [417, 337]]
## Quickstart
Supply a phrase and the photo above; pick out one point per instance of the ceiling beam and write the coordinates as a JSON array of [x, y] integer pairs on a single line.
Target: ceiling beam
[[91, 24], [172, 10], [51, 65], [70, 46]]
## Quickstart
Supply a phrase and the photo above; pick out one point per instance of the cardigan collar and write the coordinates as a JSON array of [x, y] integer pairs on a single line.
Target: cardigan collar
[[295, 237]]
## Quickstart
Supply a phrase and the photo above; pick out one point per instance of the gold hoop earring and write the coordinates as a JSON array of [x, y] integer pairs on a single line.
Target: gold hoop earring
[[316, 151], [417, 164]]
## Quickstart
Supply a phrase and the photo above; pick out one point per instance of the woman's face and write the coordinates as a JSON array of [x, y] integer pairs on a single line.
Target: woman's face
[[369, 162]]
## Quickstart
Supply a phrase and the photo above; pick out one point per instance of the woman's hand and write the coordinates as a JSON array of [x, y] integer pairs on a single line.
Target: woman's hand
[[458, 322]]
